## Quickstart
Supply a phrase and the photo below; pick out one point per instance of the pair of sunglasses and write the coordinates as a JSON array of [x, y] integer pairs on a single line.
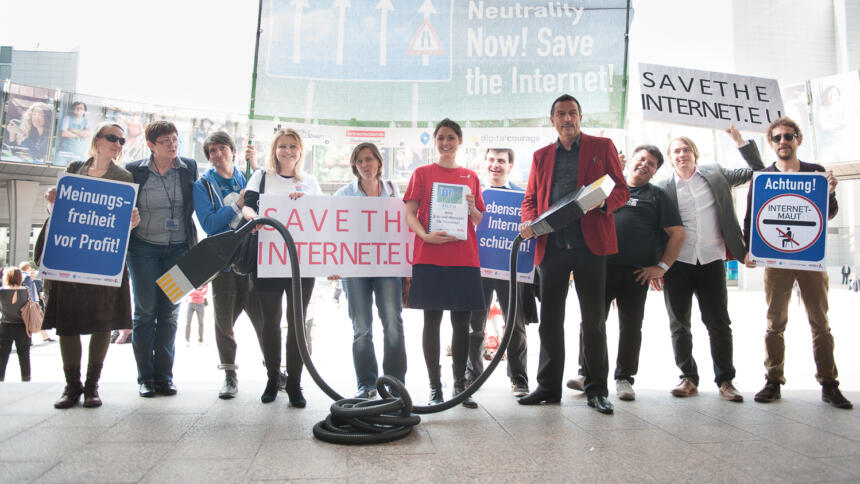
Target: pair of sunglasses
[[114, 138], [789, 137]]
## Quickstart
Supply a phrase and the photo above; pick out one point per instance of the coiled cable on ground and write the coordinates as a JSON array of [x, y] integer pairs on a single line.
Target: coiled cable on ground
[[357, 421], [363, 421]]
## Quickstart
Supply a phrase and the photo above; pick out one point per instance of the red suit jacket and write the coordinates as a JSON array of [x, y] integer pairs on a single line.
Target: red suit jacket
[[597, 157]]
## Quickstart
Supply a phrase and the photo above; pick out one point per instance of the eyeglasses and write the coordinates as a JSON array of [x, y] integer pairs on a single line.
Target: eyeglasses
[[112, 138], [167, 141], [789, 137]]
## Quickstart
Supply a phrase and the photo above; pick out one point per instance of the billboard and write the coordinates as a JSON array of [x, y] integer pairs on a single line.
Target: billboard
[[468, 60]]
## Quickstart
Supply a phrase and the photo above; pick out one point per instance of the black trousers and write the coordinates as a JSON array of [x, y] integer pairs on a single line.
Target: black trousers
[[231, 294], [478, 322], [589, 277], [269, 296], [10, 332], [708, 283], [630, 296]]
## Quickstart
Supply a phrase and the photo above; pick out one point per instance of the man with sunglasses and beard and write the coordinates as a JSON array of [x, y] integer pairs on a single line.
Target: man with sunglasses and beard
[[784, 137]]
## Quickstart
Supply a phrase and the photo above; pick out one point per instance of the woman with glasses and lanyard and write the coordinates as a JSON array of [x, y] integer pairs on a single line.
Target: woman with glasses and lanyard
[[75, 309], [165, 233]]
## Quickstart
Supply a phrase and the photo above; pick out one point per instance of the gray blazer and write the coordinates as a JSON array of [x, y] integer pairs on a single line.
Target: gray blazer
[[721, 182]]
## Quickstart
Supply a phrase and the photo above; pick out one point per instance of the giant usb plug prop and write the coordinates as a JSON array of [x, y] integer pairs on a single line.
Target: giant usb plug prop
[[360, 421]]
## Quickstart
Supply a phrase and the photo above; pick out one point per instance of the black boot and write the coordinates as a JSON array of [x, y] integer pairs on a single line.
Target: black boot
[[271, 391], [294, 393], [436, 397], [72, 392], [91, 386], [460, 387]]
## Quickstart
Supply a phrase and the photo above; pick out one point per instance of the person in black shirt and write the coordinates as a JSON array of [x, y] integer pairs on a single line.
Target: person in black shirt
[[650, 237]]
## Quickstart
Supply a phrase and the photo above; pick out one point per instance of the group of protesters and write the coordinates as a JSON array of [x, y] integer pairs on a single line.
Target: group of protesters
[[673, 237]]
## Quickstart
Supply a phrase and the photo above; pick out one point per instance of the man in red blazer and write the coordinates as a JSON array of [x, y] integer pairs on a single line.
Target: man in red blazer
[[576, 159]]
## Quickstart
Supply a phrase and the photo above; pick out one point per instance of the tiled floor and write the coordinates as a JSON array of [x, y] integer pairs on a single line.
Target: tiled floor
[[195, 437]]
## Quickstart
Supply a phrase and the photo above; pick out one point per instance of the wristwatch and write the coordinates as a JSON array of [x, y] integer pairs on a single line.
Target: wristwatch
[[663, 265]]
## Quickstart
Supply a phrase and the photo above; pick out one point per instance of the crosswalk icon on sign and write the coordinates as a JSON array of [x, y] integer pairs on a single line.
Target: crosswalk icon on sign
[[425, 41]]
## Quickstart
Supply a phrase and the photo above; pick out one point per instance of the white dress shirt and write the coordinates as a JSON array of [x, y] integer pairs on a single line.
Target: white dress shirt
[[704, 243]]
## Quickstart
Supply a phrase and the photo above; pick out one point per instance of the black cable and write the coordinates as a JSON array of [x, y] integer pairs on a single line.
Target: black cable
[[363, 421]]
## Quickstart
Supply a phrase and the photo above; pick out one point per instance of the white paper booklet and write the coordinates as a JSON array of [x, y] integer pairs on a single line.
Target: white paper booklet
[[449, 210], [593, 195]]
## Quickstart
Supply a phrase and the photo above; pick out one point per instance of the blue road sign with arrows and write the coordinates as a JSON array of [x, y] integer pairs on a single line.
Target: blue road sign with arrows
[[389, 40]]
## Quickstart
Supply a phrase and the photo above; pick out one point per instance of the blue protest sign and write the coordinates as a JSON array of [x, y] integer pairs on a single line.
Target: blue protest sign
[[496, 233], [789, 224], [87, 235]]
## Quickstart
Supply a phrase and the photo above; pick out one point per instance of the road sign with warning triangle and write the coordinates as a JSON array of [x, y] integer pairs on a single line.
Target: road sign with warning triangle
[[425, 41]]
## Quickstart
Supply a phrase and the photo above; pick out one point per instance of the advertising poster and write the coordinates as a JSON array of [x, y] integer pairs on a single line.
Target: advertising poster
[[79, 118], [29, 124], [836, 110], [796, 101], [135, 121]]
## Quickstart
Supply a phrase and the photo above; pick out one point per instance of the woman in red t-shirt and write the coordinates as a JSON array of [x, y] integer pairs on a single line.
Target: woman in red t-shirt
[[446, 273]]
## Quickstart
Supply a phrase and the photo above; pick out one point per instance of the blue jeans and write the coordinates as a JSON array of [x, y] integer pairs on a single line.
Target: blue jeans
[[153, 336], [360, 292]]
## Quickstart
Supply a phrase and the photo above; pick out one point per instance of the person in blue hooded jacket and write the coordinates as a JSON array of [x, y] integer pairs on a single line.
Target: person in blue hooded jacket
[[218, 200]]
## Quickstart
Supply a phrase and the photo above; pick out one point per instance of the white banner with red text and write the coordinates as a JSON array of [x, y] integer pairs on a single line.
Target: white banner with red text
[[344, 236]]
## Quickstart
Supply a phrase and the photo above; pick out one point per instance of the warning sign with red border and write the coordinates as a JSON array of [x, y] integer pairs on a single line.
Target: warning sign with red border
[[789, 224]]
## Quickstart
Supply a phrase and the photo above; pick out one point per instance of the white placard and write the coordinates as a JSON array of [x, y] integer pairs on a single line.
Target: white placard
[[345, 236], [708, 99]]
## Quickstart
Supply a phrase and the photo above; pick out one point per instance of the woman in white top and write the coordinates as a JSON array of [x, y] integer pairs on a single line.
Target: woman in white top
[[283, 173]]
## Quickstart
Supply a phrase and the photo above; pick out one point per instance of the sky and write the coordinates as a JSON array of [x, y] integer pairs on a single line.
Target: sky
[[199, 53]]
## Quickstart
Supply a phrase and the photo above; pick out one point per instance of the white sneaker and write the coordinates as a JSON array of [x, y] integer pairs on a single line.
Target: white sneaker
[[577, 383], [625, 390]]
